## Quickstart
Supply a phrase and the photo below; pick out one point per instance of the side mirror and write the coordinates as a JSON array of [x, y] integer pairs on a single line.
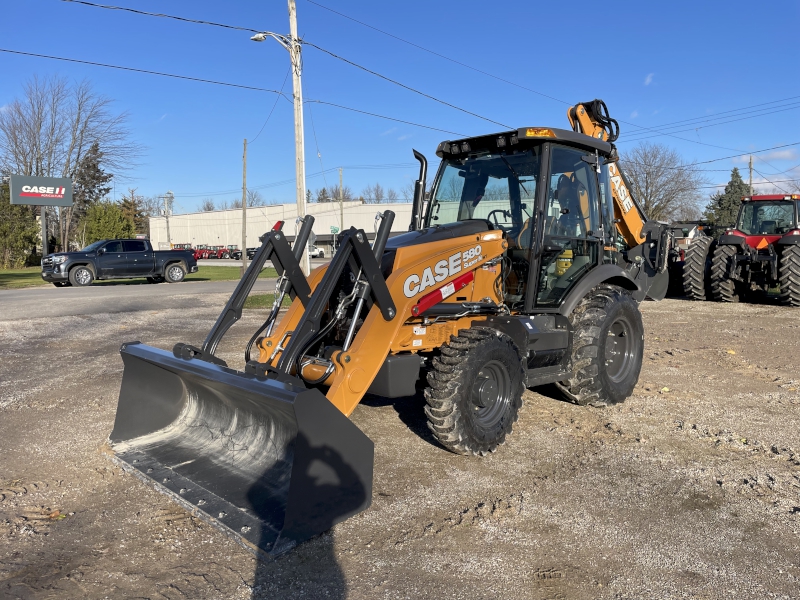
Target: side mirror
[[101, 251]]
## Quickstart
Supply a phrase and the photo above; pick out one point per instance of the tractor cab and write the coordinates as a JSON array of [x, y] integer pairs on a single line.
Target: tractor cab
[[503, 181], [765, 219]]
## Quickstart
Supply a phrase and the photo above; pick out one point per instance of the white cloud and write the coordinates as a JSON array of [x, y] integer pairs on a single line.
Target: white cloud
[[3, 107], [164, 116], [634, 114], [787, 154], [404, 137], [649, 79], [389, 131]]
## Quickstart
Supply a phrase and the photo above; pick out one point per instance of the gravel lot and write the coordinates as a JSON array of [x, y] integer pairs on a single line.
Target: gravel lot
[[689, 489]]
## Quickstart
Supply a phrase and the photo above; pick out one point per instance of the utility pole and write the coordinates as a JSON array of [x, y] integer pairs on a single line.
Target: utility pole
[[244, 208], [341, 205], [751, 174], [44, 230], [300, 160], [292, 44], [167, 209]]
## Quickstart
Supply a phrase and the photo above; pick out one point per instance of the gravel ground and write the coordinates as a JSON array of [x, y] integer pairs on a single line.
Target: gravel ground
[[689, 489]]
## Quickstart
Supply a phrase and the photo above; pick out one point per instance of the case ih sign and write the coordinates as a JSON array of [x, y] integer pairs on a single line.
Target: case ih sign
[[41, 191]]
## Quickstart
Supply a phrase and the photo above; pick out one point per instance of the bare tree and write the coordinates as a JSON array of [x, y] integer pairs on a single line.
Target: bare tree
[[48, 131], [254, 198], [391, 195], [373, 194], [207, 205], [665, 186]]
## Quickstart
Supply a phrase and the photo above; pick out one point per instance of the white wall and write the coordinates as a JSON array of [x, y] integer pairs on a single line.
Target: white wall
[[224, 227]]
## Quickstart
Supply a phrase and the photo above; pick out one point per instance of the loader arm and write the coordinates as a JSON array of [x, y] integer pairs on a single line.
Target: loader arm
[[591, 118]]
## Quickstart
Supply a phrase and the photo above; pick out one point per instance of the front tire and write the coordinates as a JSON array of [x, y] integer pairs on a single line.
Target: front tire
[[607, 348], [789, 270], [175, 273], [696, 268], [81, 276], [475, 391], [723, 288]]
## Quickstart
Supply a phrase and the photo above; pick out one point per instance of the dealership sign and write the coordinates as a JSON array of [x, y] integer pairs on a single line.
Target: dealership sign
[[41, 191]]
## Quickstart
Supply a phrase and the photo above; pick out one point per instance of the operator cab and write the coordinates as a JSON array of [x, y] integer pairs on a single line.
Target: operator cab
[[500, 179], [768, 215]]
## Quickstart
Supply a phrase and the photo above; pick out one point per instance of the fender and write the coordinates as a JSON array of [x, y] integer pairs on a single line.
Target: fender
[[613, 274], [788, 240], [732, 240]]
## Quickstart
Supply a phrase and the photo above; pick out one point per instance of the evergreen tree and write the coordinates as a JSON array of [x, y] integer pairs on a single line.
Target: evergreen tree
[[723, 208], [89, 186], [106, 220], [19, 231], [133, 209]]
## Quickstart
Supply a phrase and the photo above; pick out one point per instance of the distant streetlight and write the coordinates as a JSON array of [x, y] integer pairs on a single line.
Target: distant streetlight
[[292, 44]]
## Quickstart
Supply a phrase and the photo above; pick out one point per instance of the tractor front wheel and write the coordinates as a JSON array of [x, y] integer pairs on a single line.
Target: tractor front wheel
[[696, 268], [789, 271], [607, 348], [475, 391], [723, 287]]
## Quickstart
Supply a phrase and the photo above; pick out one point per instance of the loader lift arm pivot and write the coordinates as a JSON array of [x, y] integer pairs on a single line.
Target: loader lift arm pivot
[[273, 247]]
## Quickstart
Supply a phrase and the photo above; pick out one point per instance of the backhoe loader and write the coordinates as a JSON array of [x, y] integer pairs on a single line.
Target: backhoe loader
[[524, 266]]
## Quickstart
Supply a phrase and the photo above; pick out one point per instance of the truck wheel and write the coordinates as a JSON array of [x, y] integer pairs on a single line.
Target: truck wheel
[[696, 267], [607, 348], [175, 274], [226, 255], [723, 288], [790, 275], [475, 391], [81, 276]]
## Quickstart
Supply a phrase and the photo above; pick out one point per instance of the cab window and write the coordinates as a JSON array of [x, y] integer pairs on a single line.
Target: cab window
[[115, 246]]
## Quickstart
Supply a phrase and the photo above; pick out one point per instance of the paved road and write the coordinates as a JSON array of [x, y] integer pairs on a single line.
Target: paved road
[[48, 301]]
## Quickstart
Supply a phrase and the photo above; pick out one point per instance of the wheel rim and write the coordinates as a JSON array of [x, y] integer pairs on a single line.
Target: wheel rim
[[175, 273], [491, 393], [619, 349], [83, 276]]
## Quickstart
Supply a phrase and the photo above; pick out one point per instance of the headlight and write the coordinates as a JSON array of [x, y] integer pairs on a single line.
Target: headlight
[[57, 260]]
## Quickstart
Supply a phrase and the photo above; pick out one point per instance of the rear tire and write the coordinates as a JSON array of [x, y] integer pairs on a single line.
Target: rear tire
[[696, 269], [475, 391], [607, 348], [175, 273], [81, 276], [789, 271], [723, 288]]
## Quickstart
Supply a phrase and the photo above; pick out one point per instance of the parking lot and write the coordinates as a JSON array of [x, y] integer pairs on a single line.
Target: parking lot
[[689, 489]]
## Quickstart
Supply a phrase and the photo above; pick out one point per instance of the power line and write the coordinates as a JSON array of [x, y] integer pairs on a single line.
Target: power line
[[772, 182], [273, 107], [371, 114], [97, 64], [452, 60], [405, 41], [150, 14], [350, 62], [223, 83], [719, 185]]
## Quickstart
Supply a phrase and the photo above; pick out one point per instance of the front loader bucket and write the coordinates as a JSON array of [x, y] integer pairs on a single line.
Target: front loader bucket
[[269, 462]]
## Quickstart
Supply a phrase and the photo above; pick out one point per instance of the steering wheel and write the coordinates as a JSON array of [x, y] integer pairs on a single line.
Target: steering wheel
[[505, 213]]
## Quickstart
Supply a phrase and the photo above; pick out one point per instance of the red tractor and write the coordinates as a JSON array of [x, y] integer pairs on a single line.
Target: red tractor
[[762, 251], [201, 251], [216, 252]]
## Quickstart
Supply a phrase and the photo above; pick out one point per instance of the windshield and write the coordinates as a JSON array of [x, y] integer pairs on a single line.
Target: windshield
[[499, 188], [94, 246], [766, 218]]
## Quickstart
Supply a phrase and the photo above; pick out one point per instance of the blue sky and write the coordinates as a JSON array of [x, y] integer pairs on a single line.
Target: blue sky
[[653, 63]]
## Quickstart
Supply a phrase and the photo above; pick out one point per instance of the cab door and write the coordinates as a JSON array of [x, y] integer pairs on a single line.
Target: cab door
[[572, 243], [140, 259], [112, 261]]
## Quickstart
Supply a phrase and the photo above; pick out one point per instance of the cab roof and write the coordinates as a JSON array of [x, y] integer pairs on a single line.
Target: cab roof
[[771, 197], [506, 140]]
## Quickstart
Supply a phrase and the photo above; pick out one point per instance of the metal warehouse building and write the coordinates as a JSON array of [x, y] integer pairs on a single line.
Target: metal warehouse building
[[224, 227]]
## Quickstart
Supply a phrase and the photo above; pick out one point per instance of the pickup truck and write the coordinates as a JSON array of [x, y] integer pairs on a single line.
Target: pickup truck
[[117, 259]]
